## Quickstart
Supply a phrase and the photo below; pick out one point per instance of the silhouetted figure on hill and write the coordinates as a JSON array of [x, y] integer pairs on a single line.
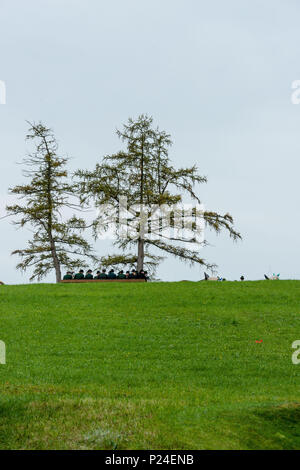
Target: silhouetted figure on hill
[[141, 274], [68, 276], [133, 274], [111, 274], [79, 275], [102, 275], [89, 275]]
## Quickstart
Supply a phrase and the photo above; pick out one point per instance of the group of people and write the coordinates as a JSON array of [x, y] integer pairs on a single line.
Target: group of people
[[104, 275]]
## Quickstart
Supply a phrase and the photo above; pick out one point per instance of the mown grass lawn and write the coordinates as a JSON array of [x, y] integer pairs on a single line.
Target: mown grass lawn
[[150, 366]]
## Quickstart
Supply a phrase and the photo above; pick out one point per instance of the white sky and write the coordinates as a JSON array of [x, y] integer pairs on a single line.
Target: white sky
[[216, 75]]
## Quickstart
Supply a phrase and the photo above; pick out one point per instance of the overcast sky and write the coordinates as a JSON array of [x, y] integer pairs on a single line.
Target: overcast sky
[[217, 75]]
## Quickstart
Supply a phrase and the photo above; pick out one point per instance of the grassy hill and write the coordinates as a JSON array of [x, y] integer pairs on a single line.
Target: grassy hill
[[161, 366]]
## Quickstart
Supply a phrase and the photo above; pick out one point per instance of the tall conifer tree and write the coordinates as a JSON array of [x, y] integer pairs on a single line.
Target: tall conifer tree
[[144, 175], [56, 242]]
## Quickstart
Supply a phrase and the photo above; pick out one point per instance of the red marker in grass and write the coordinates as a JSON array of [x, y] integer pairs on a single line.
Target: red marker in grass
[[260, 341]]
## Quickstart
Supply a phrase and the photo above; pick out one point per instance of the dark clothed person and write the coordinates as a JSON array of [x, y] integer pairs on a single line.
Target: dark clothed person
[[89, 275], [111, 274], [103, 274], [68, 277], [79, 275]]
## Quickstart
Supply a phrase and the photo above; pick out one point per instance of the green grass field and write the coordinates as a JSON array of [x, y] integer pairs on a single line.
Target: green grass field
[[150, 366]]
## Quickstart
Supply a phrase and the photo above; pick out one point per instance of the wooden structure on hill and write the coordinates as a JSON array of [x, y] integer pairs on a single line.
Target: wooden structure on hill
[[75, 281]]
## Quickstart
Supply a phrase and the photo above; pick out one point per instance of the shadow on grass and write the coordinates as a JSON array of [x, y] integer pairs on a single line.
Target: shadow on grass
[[12, 411], [272, 428], [68, 423]]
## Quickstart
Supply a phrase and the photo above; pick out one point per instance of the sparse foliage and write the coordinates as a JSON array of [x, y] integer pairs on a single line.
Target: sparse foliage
[[144, 175], [56, 242]]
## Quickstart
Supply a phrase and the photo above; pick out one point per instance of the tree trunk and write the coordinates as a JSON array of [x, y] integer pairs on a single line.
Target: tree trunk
[[141, 254], [141, 241], [55, 260], [57, 268], [50, 209]]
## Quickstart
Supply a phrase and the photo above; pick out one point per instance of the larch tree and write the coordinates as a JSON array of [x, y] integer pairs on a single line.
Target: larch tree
[[139, 193], [57, 241]]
